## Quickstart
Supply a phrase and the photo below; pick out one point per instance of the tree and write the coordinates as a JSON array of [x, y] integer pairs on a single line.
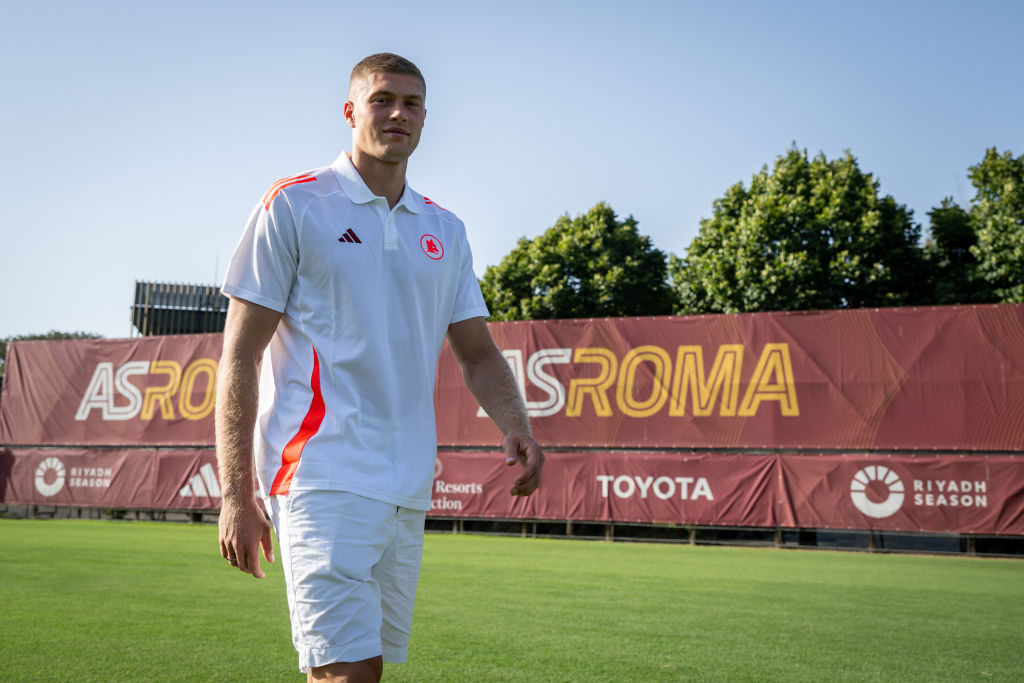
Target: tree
[[590, 266], [52, 334], [948, 254], [810, 234], [997, 216]]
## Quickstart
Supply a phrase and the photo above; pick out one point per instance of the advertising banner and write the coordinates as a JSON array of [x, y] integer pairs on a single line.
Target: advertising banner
[[954, 494], [943, 494], [893, 379], [151, 391], [143, 478], [637, 487], [948, 378]]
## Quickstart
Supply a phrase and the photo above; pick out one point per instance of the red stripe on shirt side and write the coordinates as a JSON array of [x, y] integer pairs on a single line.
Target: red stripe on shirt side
[[266, 204], [310, 425]]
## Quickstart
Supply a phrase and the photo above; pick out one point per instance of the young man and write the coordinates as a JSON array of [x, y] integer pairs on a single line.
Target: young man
[[354, 281]]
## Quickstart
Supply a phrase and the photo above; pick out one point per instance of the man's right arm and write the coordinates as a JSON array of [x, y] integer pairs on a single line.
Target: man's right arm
[[243, 526]]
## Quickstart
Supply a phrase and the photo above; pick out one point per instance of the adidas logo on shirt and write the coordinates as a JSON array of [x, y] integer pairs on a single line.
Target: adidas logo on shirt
[[350, 236], [202, 485]]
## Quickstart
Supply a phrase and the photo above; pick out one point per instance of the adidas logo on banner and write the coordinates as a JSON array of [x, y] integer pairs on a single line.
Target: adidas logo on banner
[[202, 485]]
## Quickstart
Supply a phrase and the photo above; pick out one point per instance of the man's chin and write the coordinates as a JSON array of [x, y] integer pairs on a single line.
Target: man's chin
[[395, 154]]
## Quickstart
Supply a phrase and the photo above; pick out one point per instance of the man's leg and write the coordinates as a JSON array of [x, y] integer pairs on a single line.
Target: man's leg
[[366, 671], [398, 574], [330, 542]]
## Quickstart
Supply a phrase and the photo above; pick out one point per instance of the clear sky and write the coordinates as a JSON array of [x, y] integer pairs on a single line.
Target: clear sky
[[135, 137]]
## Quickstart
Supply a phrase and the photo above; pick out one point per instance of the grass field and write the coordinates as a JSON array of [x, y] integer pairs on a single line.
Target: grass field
[[134, 601]]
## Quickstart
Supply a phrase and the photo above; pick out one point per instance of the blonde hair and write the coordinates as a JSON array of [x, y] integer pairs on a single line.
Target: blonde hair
[[384, 62]]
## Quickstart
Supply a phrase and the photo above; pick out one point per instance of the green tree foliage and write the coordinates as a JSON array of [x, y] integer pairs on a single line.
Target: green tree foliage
[[52, 334], [948, 254], [997, 216], [810, 234], [593, 265]]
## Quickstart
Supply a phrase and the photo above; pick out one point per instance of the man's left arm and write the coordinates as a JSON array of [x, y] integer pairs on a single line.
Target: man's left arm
[[489, 377]]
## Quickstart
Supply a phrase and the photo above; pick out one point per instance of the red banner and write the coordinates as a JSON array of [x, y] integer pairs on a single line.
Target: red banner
[[896, 379], [725, 490], [149, 391], [957, 494], [143, 478], [946, 494]]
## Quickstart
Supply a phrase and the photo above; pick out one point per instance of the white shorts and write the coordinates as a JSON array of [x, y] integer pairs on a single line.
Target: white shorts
[[351, 565]]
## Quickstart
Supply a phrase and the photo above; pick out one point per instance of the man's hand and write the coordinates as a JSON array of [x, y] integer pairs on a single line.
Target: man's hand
[[522, 448], [243, 529]]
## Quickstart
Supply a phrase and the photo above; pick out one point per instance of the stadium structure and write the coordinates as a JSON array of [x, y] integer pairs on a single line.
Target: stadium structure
[[162, 308]]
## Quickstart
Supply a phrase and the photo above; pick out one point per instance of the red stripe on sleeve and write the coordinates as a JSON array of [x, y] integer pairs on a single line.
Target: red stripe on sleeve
[[280, 185], [310, 425]]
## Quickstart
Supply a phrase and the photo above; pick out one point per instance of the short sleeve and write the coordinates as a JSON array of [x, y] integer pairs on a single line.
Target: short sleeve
[[469, 300], [262, 268]]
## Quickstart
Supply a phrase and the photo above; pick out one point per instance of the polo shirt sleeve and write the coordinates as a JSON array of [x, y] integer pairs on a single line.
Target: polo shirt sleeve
[[469, 300], [263, 266]]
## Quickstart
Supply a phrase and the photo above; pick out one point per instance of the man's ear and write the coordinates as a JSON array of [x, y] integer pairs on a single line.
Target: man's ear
[[349, 110]]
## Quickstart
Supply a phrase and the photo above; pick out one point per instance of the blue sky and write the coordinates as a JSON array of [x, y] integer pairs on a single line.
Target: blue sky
[[135, 137]]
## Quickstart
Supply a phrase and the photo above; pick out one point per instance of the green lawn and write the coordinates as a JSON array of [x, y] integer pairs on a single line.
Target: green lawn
[[120, 601]]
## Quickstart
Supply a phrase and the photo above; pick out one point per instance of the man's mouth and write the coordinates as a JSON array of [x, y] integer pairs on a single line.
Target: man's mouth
[[397, 131]]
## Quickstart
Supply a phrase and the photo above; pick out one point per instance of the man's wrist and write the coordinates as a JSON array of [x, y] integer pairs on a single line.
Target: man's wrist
[[236, 494]]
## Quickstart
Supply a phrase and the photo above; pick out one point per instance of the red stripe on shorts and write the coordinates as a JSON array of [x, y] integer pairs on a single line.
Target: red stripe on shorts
[[310, 425]]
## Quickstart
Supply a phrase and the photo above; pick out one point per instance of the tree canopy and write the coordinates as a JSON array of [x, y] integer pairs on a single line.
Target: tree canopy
[[997, 217], [593, 265], [809, 234], [947, 251]]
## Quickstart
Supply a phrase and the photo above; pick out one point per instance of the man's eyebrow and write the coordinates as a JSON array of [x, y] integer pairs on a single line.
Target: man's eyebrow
[[389, 93]]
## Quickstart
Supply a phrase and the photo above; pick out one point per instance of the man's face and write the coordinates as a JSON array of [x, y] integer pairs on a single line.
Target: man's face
[[386, 114]]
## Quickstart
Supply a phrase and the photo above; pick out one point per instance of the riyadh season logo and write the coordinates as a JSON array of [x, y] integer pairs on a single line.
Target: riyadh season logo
[[51, 476], [56, 479], [878, 479]]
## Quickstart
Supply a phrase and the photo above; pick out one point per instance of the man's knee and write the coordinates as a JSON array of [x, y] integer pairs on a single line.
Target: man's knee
[[365, 671]]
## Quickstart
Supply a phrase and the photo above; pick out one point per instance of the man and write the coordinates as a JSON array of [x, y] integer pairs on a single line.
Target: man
[[353, 280]]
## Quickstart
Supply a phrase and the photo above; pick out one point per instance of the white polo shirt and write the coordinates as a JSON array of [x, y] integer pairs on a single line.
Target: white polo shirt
[[367, 293]]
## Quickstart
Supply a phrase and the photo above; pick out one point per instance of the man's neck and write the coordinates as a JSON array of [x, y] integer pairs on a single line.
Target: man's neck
[[384, 179]]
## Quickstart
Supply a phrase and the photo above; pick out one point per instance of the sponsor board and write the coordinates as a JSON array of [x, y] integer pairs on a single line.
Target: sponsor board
[[142, 478], [944, 494], [958, 493]]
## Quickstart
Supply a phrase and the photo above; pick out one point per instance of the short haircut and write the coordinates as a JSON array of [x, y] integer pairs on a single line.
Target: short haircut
[[384, 62]]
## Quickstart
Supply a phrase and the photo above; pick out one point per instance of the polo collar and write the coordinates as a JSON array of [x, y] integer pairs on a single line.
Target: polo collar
[[354, 186]]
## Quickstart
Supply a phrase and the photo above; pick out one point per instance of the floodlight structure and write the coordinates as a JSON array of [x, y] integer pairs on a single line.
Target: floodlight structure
[[176, 308]]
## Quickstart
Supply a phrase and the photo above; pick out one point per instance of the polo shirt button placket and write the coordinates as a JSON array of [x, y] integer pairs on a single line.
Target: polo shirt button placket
[[390, 233]]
